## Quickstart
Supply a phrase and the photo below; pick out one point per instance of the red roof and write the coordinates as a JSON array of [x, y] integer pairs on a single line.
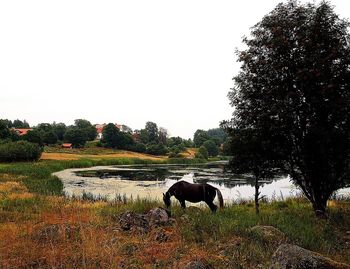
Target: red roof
[[22, 131], [66, 145]]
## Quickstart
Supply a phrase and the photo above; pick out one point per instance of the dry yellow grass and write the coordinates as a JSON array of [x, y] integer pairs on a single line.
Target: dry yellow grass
[[119, 154]]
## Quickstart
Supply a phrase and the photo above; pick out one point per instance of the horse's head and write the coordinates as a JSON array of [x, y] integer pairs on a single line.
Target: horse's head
[[166, 199]]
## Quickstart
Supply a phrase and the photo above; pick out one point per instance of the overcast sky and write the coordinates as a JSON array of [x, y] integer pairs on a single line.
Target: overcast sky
[[128, 62]]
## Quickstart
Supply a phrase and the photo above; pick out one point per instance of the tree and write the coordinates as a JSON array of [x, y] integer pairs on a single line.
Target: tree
[[200, 136], [251, 154], [86, 126], [4, 130], [59, 129], [44, 127], [152, 131], [75, 136], [163, 135], [111, 136], [49, 138], [202, 153], [33, 136], [20, 124], [211, 147], [294, 86], [218, 135]]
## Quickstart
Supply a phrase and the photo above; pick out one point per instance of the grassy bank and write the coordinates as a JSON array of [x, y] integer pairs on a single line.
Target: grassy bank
[[49, 231]]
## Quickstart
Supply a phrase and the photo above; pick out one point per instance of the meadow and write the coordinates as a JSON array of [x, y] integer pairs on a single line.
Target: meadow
[[40, 228]]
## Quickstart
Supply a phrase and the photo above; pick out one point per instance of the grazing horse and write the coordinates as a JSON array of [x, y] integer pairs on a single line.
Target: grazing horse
[[184, 191]]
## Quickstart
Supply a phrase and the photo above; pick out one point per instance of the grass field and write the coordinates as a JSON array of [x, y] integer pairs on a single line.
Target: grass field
[[39, 228]]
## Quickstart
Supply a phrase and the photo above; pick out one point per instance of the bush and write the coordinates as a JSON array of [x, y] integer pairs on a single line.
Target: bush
[[211, 147], [202, 153], [19, 151], [156, 149], [138, 147]]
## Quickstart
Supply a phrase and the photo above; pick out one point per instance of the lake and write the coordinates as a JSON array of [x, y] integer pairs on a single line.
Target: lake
[[140, 181]]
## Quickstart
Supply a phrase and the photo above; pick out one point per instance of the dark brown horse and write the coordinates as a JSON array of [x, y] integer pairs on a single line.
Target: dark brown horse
[[194, 193]]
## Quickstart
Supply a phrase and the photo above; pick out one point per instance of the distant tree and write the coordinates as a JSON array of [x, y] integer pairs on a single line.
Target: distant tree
[[44, 127], [152, 131], [218, 135], [144, 137], [6, 122], [126, 129], [33, 136], [200, 136], [294, 86], [211, 147], [59, 129], [111, 136], [49, 138], [20, 124], [86, 126], [75, 136], [4, 130], [163, 135], [202, 153]]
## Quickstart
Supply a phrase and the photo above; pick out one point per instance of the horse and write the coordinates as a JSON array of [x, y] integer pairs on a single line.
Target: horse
[[184, 191]]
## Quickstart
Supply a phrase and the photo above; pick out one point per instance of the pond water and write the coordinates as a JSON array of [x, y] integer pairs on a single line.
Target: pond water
[[152, 180]]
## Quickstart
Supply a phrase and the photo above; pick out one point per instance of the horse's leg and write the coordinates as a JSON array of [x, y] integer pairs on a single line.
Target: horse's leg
[[183, 204]]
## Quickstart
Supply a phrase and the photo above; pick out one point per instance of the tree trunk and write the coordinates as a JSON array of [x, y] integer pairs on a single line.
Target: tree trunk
[[257, 193], [319, 206]]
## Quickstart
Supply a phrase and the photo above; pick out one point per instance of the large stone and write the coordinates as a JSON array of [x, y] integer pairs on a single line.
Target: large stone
[[289, 256], [269, 233], [158, 216], [131, 221], [134, 222]]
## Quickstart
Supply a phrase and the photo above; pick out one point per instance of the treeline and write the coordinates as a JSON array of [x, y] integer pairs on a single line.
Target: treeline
[[211, 143], [11, 148], [50, 134], [151, 140]]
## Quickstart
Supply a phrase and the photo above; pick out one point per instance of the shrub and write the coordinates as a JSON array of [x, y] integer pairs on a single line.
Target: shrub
[[156, 149], [137, 147], [211, 147], [19, 151], [202, 153]]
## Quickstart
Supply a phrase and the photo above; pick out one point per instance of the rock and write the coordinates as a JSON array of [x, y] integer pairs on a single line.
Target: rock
[[133, 221], [198, 264], [158, 216], [289, 256], [269, 233], [144, 222]]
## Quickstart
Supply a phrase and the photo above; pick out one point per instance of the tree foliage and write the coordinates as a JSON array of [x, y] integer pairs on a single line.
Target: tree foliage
[[200, 136], [75, 136], [294, 87], [212, 148]]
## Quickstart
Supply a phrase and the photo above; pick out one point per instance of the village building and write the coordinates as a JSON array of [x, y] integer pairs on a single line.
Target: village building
[[21, 131]]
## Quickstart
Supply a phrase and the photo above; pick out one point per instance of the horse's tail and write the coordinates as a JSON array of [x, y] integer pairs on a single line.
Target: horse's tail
[[221, 200]]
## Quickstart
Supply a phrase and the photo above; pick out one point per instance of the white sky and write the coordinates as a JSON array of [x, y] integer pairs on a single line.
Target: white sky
[[170, 62]]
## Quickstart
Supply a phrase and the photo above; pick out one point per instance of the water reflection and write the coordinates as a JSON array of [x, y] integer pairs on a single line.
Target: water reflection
[[152, 181]]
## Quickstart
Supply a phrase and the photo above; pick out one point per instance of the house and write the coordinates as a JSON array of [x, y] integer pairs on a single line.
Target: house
[[21, 131], [99, 129], [67, 145]]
